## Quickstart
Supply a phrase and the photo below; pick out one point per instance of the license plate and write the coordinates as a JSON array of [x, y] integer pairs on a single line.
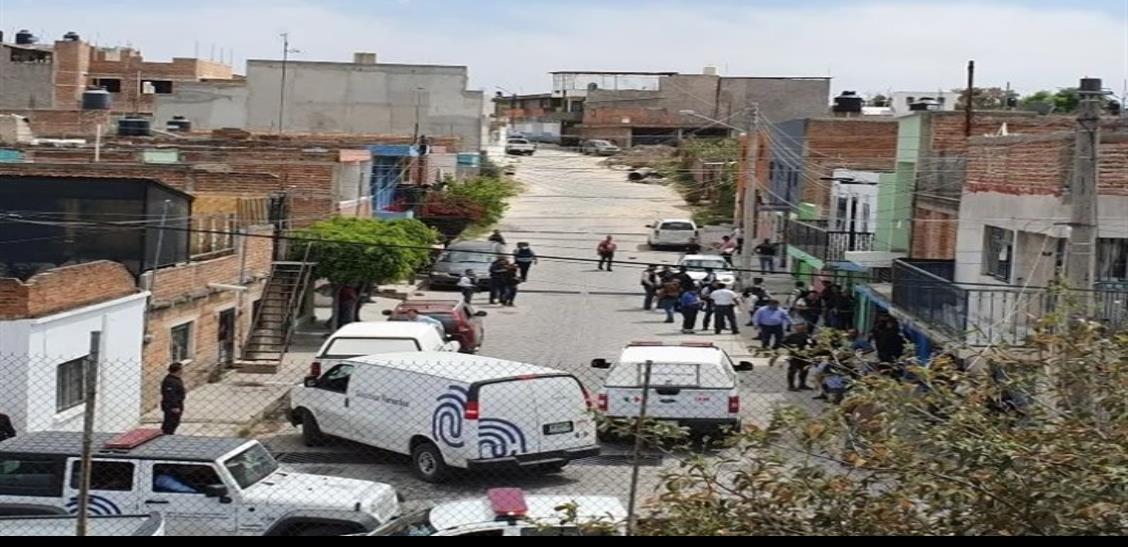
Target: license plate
[[559, 429]]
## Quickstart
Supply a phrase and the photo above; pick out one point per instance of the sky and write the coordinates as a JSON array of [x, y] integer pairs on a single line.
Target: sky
[[870, 46]]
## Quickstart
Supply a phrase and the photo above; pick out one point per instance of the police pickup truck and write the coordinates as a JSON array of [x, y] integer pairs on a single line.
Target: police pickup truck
[[200, 485]]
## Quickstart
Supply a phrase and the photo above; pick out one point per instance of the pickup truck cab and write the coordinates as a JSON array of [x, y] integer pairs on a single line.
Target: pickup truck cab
[[519, 146], [200, 485], [672, 233], [694, 384]]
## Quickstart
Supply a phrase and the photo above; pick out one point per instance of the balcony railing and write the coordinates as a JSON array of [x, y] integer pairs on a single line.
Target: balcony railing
[[980, 316], [816, 239]]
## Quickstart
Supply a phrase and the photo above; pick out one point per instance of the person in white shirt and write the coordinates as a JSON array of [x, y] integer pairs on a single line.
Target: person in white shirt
[[724, 307], [468, 284]]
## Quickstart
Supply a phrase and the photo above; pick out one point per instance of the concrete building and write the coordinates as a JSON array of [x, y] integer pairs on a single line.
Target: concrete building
[[655, 108], [45, 327], [901, 102], [206, 105], [542, 117], [365, 97]]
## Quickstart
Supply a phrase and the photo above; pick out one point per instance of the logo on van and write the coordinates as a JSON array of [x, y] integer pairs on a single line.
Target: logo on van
[[446, 422], [99, 507], [499, 438]]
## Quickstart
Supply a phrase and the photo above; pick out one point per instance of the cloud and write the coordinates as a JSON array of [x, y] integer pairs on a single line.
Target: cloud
[[869, 46]]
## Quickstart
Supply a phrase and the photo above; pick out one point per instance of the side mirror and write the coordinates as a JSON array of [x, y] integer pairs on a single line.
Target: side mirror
[[649, 225], [215, 491], [481, 314], [600, 363], [387, 313], [311, 381], [744, 366]]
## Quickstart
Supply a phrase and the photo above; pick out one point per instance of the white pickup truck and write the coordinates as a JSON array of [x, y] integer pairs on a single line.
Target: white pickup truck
[[200, 485], [151, 525], [520, 146]]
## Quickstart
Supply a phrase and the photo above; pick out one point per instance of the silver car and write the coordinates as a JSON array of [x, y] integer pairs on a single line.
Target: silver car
[[600, 147], [462, 256]]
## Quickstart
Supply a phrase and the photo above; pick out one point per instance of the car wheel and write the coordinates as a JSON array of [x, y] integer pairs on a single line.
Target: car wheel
[[311, 431], [428, 464], [323, 531], [553, 468]]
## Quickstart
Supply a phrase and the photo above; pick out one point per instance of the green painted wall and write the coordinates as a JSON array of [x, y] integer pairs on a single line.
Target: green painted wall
[[894, 210]]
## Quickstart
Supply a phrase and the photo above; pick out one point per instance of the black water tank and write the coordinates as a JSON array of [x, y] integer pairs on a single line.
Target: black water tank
[[848, 102], [71, 36], [178, 124], [135, 127], [96, 98], [25, 38]]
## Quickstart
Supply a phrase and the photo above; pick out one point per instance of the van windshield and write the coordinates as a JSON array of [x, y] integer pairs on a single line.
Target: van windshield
[[462, 257], [251, 466], [346, 348]]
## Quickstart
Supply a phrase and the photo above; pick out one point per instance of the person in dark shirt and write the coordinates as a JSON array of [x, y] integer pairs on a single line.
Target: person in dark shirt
[[172, 399], [685, 280], [498, 270], [798, 343], [6, 429]]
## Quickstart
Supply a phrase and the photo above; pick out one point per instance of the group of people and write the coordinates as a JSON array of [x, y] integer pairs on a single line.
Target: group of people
[[677, 292]]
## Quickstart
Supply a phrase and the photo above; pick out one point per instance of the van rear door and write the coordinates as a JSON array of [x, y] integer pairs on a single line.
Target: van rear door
[[562, 411], [508, 424], [678, 391]]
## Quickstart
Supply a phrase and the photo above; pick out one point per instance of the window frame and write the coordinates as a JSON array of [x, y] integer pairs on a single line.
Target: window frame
[[79, 399], [189, 342], [153, 474], [995, 240], [76, 474], [1106, 250], [54, 489]]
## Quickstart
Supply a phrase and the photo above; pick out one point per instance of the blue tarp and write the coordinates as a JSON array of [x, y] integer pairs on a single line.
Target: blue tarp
[[394, 150]]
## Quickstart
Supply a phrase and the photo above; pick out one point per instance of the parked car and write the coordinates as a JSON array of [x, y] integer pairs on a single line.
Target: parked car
[[202, 485], [599, 147], [509, 512], [462, 322], [470, 412], [696, 265], [371, 338], [63, 525], [462, 256], [694, 384], [520, 146], [672, 233]]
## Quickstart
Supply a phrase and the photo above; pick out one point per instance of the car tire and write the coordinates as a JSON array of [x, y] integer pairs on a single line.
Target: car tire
[[324, 530], [311, 430], [553, 468], [428, 464]]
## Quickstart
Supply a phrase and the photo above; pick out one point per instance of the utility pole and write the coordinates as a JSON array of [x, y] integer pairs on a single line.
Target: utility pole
[[1080, 265], [969, 99], [749, 204], [286, 51], [89, 415]]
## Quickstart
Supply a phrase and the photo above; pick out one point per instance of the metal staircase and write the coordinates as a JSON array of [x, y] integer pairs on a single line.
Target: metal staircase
[[273, 325]]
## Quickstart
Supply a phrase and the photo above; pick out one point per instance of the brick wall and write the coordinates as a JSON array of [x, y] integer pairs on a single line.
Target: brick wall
[[948, 127], [1026, 165], [66, 123], [65, 288], [934, 233], [181, 294], [845, 143]]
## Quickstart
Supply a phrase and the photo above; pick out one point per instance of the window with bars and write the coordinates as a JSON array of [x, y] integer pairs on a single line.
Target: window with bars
[[70, 384], [180, 343], [998, 253], [1112, 259]]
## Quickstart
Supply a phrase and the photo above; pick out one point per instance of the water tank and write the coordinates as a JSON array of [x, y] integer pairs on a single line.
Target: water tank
[[25, 38], [96, 98], [848, 103], [709, 70], [178, 124], [135, 127], [71, 36], [924, 104]]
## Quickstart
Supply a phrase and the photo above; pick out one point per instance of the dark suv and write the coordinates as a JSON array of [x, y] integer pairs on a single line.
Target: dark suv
[[460, 320]]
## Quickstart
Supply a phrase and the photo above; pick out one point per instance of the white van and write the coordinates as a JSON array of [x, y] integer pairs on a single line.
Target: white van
[[672, 233], [449, 411], [358, 339], [694, 384]]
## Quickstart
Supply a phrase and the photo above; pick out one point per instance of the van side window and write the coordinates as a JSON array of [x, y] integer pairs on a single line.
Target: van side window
[[337, 379], [171, 478], [105, 476], [30, 476]]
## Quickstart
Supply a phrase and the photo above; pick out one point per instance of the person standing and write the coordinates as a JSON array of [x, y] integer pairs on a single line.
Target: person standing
[[845, 306], [767, 253], [468, 285], [772, 321], [709, 279], [738, 235], [798, 292], [665, 274], [512, 279], [707, 303], [668, 297], [888, 340], [525, 258], [496, 237], [606, 251], [728, 248], [724, 306], [693, 247], [6, 429], [347, 302], [173, 395], [685, 281], [649, 282], [690, 304], [497, 278], [798, 362]]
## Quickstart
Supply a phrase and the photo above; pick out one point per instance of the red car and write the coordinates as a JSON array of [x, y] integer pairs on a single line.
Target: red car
[[461, 321]]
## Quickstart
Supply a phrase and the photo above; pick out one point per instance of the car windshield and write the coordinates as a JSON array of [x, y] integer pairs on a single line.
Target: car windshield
[[251, 466], [677, 226], [484, 257], [415, 524], [601, 143], [518, 141], [345, 348], [717, 265]]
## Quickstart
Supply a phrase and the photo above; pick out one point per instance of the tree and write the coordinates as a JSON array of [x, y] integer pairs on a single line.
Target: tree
[[363, 252], [991, 98], [1002, 450], [879, 100], [1064, 101]]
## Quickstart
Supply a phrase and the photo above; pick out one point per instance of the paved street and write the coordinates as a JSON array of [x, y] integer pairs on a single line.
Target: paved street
[[568, 314]]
